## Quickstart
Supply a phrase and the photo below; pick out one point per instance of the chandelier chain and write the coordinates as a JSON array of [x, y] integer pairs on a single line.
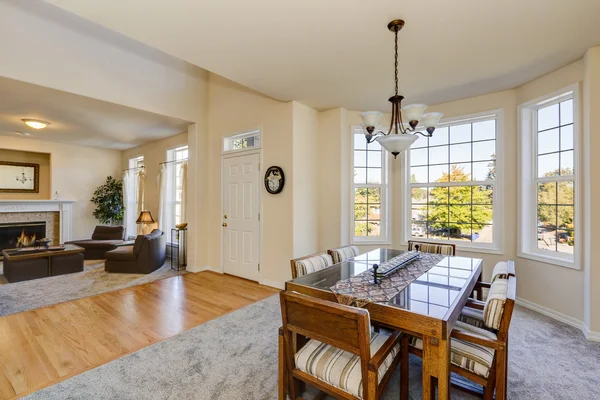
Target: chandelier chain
[[396, 60]]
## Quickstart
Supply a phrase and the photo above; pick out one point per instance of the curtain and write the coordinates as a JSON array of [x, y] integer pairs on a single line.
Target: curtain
[[184, 177], [162, 182], [141, 175], [126, 187]]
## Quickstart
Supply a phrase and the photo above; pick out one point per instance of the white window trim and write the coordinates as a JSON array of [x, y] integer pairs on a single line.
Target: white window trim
[[497, 246], [241, 135], [527, 232], [385, 237]]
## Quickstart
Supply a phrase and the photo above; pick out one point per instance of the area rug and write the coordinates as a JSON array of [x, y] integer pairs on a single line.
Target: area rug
[[235, 357], [93, 280]]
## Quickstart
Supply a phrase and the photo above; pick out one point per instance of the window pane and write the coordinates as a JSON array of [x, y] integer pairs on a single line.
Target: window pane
[[418, 175], [438, 173], [360, 143], [460, 213], [419, 212], [438, 213], [373, 145], [566, 112], [482, 215], [373, 229], [438, 155], [418, 157], [483, 233], [548, 141], [374, 196], [438, 231], [360, 158], [438, 195], [360, 175], [566, 163], [374, 158], [566, 193], [360, 228], [566, 137], [460, 133], [460, 195], [360, 195], [420, 142], [374, 212], [440, 136], [547, 193], [483, 195], [460, 172], [460, 231], [566, 216], [548, 117], [419, 229], [373, 175], [548, 165], [484, 130], [547, 217], [566, 241], [419, 195], [360, 212], [483, 151], [460, 153], [484, 171]]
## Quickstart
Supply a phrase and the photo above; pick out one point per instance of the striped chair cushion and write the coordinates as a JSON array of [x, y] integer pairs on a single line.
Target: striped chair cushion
[[472, 316], [340, 368], [494, 304], [431, 248], [472, 357], [312, 264], [500, 271], [343, 253]]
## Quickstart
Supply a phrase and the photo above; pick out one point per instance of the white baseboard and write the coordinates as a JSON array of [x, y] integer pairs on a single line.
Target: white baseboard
[[274, 284], [201, 268], [574, 322]]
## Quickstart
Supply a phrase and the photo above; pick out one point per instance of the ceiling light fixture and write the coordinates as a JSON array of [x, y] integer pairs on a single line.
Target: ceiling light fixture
[[404, 135], [35, 123]]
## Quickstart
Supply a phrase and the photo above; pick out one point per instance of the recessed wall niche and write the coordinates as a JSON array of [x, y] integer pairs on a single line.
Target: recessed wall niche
[[43, 159]]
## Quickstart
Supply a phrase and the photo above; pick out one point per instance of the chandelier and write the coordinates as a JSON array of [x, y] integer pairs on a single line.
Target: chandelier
[[401, 135]]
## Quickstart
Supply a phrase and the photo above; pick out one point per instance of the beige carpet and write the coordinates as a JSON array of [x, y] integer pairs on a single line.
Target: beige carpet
[[93, 280]]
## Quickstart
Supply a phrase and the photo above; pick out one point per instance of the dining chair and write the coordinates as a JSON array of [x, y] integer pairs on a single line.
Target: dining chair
[[314, 262], [502, 269], [343, 253], [481, 354], [430, 247], [341, 356]]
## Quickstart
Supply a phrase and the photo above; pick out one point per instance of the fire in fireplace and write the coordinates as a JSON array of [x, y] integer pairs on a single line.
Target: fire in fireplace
[[21, 234]]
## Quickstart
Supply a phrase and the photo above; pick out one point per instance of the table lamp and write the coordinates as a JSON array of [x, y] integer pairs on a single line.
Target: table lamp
[[145, 218]]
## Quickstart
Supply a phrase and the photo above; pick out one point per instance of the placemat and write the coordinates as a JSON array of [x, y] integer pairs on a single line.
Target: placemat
[[359, 290]]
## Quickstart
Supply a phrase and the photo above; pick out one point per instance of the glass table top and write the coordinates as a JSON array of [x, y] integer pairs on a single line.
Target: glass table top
[[432, 294]]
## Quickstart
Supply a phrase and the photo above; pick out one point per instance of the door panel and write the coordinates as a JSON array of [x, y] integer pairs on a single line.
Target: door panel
[[241, 236]]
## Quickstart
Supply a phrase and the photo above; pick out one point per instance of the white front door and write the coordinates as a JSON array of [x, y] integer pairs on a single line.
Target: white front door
[[240, 220]]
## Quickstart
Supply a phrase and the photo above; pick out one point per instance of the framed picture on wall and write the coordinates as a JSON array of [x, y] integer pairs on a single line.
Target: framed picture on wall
[[18, 177]]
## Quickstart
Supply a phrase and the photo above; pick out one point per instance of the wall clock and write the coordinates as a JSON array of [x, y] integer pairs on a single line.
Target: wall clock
[[274, 180]]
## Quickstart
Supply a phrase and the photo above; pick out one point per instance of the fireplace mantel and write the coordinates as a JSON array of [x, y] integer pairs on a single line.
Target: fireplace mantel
[[63, 207]]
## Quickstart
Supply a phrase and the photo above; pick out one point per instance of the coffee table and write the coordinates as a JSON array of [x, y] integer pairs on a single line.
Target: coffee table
[[25, 264]]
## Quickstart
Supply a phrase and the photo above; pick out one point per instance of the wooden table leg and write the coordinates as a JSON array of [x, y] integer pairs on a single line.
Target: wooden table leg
[[436, 368]]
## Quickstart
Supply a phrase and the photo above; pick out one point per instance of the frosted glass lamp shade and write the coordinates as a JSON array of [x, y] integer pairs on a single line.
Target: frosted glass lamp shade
[[371, 118], [396, 144], [431, 120], [413, 112]]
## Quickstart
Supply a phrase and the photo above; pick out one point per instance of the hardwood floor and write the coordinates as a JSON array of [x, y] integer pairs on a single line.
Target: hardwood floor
[[44, 346]]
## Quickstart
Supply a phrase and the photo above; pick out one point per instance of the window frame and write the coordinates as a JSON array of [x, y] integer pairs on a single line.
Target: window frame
[[528, 179], [171, 200], [497, 245], [227, 142], [384, 228]]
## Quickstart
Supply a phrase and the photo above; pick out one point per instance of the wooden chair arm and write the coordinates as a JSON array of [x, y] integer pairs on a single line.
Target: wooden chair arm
[[494, 344], [483, 285], [376, 361], [477, 304]]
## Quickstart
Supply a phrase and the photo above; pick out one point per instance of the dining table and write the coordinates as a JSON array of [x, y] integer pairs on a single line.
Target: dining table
[[427, 307]]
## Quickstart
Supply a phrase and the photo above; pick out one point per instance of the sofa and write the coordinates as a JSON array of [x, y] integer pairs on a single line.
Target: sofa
[[104, 238], [147, 254]]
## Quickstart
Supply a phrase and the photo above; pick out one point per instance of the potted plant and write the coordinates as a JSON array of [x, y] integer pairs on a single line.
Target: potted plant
[[108, 199]]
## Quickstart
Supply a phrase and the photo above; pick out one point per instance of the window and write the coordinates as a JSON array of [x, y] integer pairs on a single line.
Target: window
[[453, 183], [244, 141], [131, 208], [548, 177], [369, 190], [175, 157]]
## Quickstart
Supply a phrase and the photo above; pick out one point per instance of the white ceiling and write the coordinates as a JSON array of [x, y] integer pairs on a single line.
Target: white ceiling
[[79, 120], [331, 53]]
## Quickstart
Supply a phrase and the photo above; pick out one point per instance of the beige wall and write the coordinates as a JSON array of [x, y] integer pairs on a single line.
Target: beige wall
[[75, 172], [43, 159], [306, 170], [154, 153], [236, 109]]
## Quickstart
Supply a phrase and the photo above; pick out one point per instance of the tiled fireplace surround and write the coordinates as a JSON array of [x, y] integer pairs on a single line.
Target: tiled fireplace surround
[[56, 213]]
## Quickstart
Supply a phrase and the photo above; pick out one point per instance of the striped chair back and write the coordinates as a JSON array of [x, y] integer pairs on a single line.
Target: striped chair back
[[435, 248], [314, 262], [343, 253]]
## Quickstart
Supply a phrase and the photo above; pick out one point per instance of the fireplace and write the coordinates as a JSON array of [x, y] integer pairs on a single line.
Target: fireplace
[[21, 234]]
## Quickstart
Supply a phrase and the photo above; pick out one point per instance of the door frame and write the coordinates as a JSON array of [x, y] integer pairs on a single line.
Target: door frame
[[235, 154]]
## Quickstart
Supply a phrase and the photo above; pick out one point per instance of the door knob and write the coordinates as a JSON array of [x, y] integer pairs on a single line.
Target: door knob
[[225, 224]]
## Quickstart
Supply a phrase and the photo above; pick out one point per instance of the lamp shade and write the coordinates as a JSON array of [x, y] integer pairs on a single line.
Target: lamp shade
[[145, 218], [431, 120], [413, 112], [371, 118], [396, 143]]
